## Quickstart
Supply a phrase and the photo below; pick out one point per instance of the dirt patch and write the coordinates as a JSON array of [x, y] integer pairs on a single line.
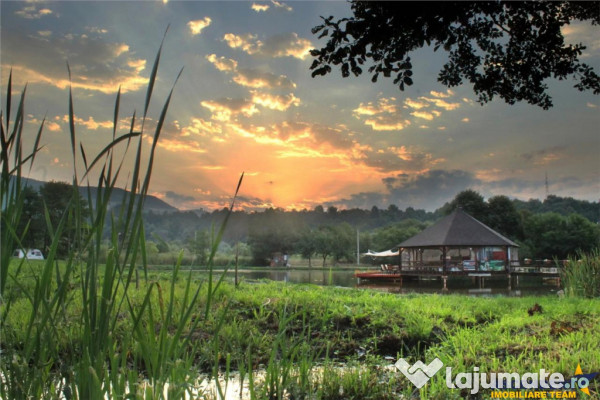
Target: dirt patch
[[558, 328], [535, 309], [515, 350], [389, 345], [342, 322]]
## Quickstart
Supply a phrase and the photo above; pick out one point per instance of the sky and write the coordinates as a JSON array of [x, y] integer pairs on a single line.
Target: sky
[[246, 102]]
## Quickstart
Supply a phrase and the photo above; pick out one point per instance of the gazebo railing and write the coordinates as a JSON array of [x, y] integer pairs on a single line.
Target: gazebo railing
[[539, 267]]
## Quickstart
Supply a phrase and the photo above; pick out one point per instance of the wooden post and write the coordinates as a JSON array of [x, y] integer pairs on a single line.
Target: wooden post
[[444, 258], [400, 261]]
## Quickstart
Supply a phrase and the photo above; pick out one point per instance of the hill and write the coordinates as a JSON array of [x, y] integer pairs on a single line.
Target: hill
[[152, 203]]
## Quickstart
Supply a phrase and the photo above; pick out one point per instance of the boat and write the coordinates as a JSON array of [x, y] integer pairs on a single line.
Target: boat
[[387, 273]]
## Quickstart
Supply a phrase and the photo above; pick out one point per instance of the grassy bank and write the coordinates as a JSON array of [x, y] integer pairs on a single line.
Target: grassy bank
[[300, 334]]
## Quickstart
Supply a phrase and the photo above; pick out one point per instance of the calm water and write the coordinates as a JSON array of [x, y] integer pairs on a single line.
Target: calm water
[[498, 286]]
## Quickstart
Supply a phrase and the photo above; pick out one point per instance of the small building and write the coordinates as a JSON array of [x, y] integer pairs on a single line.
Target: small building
[[458, 243]]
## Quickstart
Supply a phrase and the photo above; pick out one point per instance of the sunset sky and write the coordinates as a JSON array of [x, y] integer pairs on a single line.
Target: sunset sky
[[246, 103]]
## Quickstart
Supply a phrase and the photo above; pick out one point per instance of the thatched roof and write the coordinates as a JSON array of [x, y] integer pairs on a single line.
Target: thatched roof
[[458, 229]]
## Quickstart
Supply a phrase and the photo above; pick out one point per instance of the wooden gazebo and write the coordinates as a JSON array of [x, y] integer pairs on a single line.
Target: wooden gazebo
[[458, 244]]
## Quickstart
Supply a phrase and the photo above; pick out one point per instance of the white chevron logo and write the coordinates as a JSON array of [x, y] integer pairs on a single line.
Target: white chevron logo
[[419, 373]]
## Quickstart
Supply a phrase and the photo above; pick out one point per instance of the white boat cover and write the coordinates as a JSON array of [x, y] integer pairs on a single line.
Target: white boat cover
[[387, 253]]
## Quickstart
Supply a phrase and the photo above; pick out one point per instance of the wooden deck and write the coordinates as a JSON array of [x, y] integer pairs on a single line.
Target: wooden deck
[[396, 273]]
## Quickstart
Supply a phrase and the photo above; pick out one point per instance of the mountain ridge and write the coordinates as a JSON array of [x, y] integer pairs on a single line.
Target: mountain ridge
[[152, 203]]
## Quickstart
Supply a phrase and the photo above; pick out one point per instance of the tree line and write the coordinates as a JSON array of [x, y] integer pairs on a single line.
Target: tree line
[[554, 227]]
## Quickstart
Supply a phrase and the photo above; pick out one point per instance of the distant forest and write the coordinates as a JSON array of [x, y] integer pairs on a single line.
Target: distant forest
[[181, 225], [555, 227]]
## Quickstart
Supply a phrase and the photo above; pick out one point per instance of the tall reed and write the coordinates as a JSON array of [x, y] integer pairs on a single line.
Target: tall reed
[[101, 362], [581, 275]]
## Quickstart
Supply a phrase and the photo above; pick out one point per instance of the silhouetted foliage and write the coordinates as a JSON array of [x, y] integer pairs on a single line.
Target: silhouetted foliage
[[504, 49], [551, 235], [32, 225], [504, 218], [471, 202], [56, 198], [307, 245], [199, 246], [561, 205], [389, 237]]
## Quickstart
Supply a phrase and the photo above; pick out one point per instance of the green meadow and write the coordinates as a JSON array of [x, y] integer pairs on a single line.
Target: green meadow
[[300, 341]]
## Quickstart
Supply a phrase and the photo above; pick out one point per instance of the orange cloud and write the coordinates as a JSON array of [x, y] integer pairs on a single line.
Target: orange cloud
[[247, 42], [402, 153], [176, 145], [386, 123], [282, 45], [198, 25], [281, 4], [257, 79], [442, 95], [222, 63], [383, 115], [441, 103], [90, 124], [383, 105], [201, 127], [251, 77], [275, 102], [31, 12], [52, 126], [426, 115], [138, 65], [417, 105], [225, 109], [127, 84], [259, 7]]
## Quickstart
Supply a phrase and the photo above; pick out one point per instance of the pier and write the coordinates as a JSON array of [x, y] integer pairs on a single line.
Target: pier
[[396, 273]]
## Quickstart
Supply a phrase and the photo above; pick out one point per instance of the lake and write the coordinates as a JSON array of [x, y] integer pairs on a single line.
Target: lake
[[497, 286]]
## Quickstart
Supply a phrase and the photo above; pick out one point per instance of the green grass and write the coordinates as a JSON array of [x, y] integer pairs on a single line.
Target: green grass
[[294, 332]]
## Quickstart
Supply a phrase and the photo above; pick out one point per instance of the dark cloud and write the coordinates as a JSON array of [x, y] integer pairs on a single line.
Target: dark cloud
[[428, 191], [178, 198], [95, 63], [399, 159], [432, 189], [544, 156]]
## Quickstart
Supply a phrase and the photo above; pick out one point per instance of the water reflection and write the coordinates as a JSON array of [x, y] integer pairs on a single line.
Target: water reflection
[[496, 286]]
